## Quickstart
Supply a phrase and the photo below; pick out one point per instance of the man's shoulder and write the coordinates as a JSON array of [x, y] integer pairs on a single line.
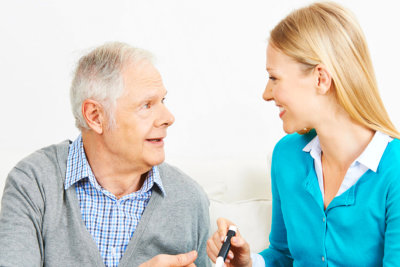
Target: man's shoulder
[[45, 162], [37, 178], [176, 181]]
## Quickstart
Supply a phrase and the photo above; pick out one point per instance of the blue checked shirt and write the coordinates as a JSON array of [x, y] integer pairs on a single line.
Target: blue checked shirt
[[110, 221]]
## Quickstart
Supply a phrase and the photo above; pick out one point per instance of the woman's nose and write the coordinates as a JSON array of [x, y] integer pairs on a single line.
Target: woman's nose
[[268, 95]]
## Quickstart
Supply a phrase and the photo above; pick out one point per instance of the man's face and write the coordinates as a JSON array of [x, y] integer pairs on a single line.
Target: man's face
[[141, 119]]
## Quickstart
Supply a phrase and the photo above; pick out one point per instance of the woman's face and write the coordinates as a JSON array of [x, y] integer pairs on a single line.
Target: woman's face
[[292, 90]]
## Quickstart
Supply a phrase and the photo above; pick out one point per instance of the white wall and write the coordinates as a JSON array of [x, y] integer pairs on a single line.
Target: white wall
[[211, 54]]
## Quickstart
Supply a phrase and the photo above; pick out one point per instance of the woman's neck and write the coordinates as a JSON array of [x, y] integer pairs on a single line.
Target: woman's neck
[[342, 141]]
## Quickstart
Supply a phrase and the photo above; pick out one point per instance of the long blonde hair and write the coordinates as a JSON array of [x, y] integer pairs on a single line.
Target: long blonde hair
[[328, 33]]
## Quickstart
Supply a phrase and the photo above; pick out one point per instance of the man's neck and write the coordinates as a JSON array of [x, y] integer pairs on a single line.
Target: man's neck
[[117, 177]]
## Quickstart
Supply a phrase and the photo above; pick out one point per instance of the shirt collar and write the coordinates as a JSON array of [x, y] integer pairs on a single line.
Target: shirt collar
[[153, 177], [370, 157], [314, 147], [373, 152], [78, 168], [77, 165]]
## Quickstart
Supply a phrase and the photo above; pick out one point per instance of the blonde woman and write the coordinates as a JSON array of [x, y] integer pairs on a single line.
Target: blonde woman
[[336, 188]]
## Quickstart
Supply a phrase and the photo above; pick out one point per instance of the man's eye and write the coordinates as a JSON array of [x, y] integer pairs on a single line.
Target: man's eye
[[272, 78], [146, 106], [163, 100]]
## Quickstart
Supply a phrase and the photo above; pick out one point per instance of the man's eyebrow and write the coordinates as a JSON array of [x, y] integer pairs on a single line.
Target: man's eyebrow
[[151, 96]]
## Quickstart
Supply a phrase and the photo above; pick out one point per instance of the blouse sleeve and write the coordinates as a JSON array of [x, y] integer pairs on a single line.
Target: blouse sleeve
[[392, 233], [278, 252]]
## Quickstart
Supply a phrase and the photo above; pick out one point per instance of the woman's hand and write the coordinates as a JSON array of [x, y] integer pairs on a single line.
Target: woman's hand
[[239, 254]]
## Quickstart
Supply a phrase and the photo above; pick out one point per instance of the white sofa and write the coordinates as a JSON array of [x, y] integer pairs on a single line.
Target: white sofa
[[238, 190]]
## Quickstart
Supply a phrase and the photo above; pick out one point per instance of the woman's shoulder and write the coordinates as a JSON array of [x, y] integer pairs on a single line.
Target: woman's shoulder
[[290, 147], [391, 157], [295, 141]]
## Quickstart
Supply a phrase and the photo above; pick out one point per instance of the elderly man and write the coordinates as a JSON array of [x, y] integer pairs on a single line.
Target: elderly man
[[106, 198]]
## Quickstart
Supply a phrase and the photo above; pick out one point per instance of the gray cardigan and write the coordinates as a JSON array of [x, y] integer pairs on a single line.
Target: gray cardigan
[[41, 223]]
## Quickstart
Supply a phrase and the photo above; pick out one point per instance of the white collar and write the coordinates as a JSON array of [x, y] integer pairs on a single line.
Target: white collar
[[370, 157]]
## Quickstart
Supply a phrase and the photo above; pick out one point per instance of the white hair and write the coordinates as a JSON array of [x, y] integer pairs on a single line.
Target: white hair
[[98, 77]]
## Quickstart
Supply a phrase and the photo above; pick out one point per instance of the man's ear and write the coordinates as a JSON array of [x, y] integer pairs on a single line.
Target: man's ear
[[323, 79], [92, 112]]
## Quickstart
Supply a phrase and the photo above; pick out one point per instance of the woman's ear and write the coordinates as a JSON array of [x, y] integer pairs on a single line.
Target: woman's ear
[[92, 112], [323, 79]]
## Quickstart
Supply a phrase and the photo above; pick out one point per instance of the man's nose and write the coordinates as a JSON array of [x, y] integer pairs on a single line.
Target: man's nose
[[166, 117]]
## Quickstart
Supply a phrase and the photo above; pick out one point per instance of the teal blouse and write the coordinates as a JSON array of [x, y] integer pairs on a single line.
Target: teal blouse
[[361, 227]]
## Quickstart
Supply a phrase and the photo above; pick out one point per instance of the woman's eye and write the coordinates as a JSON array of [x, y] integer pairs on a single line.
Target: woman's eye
[[272, 78], [163, 100], [146, 106]]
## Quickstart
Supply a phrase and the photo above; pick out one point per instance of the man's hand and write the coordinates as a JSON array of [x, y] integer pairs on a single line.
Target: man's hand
[[180, 260]]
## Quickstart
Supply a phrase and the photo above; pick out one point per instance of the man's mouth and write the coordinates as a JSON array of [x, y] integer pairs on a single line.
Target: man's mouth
[[155, 140]]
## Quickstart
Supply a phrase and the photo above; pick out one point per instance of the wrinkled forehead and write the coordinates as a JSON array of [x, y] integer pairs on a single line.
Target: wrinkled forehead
[[142, 78], [140, 68]]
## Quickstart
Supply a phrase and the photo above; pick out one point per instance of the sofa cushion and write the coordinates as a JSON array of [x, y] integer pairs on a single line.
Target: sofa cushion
[[252, 217]]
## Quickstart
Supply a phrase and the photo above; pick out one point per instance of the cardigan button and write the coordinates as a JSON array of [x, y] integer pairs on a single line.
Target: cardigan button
[[323, 258]]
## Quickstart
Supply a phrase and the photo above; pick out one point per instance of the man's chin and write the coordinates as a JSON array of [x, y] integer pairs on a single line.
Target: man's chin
[[157, 160]]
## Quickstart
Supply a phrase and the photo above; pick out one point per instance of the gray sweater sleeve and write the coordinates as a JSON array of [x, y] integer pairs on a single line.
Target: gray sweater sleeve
[[21, 221], [204, 233]]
